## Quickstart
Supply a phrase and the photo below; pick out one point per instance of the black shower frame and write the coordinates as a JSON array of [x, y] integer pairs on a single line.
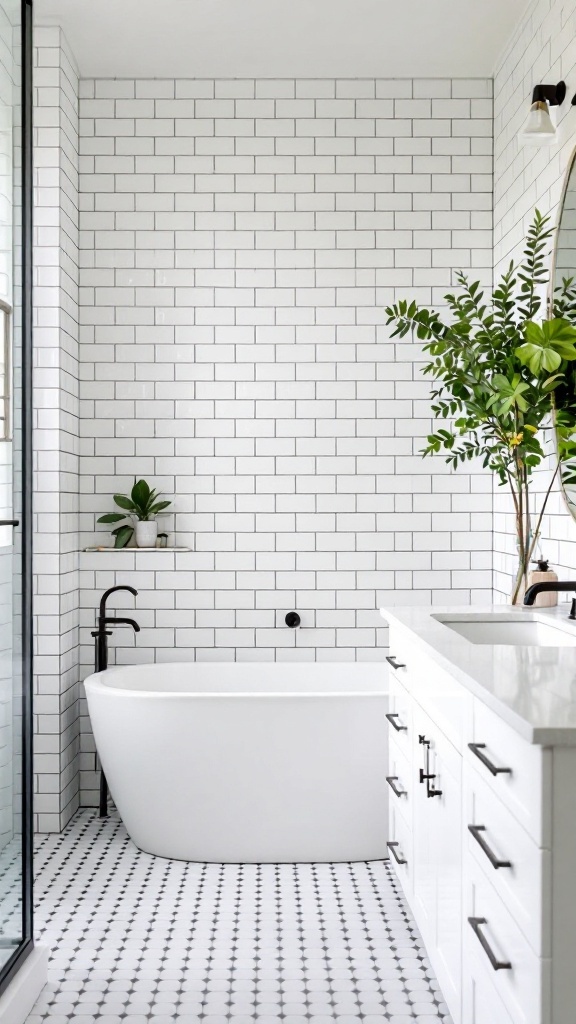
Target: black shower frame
[[11, 967]]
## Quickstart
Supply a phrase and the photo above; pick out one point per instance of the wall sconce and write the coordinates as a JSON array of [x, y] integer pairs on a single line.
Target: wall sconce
[[539, 129]]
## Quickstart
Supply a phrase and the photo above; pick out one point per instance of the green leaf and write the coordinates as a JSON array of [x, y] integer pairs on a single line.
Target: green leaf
[[538, 357], [159, 507], [559, 330], [124, 502], [510, 394], [123, 536], [547, 345], [140, 494], [534, 333], [111, 517]]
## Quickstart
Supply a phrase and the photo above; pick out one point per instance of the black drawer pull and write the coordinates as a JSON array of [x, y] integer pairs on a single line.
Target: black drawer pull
[[391, 780], [392, 661], [425, 774], [392, 716], [476, 831], [476, 925], [392, 848], [477, 749]]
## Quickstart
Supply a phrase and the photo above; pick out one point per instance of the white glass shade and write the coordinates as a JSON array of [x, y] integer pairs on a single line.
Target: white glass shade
[[538, 129]]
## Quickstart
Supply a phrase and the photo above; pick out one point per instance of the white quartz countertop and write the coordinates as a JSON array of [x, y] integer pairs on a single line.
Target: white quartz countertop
[[533, 689]]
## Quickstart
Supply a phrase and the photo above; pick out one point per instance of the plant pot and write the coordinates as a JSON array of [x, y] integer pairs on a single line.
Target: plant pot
[[146, 533]]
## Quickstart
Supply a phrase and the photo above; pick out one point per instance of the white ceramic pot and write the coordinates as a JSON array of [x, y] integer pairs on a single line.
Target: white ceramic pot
[[146, 533]]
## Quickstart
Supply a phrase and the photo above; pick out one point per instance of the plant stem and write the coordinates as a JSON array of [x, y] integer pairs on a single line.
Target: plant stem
[[523, 574], [542, 511], [527, 543], [522, 522]]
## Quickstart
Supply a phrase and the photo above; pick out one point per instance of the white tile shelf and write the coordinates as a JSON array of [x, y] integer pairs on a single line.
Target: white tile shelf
[[122, 560], [117, 551]]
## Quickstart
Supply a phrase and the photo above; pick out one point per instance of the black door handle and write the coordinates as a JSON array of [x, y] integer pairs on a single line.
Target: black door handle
[[392, 661], [476, 925], [476, 831], [477, 749], [392, 848], [391, 718], [392, 780], [9, 522]]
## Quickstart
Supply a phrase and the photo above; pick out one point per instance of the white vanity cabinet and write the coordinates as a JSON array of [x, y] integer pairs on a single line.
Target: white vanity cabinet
[[433, 813], [484, 824]]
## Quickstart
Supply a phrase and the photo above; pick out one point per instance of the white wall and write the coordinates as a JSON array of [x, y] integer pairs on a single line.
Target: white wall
[[56, 436], [239, 242], [542, 50]]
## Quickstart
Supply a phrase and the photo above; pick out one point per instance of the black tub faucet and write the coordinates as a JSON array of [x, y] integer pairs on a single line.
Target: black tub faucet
[[102, 633], [556, 586], [101, 662]]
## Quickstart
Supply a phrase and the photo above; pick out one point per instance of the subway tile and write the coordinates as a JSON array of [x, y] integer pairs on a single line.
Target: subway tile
[[240, 240]]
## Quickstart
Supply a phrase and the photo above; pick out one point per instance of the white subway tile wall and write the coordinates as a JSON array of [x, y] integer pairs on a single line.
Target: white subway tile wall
[[239, 241], [56, 439], [542, 50]]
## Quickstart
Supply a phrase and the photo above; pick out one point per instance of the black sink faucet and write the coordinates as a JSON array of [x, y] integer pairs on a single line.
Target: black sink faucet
[[102, 633], [557, 586]]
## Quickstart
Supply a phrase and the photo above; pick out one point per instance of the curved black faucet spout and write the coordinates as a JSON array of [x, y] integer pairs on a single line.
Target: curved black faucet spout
[[122, 622], [101, 635], [114, 590], [559, 586]]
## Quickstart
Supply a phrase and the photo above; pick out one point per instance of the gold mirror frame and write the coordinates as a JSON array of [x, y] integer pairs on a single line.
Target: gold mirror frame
[[567, 469]]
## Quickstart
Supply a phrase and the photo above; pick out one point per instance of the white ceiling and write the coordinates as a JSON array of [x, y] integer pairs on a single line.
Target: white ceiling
[[284, 38]]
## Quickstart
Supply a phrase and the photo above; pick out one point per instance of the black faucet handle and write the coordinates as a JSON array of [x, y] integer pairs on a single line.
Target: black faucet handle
[[573, 609], [292, 620]]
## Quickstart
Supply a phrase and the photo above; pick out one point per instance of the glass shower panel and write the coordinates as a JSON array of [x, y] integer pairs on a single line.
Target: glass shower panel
[[12, 860]]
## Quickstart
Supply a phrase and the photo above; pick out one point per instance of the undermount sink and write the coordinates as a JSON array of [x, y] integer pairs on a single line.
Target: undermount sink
[[494, 629]]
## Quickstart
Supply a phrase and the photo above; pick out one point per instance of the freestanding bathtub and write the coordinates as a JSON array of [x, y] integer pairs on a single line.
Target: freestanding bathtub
[[246, 762]]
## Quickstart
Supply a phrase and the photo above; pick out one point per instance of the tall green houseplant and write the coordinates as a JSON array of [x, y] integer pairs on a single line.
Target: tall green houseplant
[[496, 365]]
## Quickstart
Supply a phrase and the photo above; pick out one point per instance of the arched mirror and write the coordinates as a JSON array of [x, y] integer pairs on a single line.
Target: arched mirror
[[563, 303]]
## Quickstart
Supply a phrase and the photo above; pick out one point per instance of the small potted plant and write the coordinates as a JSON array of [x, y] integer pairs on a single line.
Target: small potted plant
[[142, 506]]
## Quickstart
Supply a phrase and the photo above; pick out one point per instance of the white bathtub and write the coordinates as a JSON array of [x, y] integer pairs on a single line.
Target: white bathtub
[[246, 763]]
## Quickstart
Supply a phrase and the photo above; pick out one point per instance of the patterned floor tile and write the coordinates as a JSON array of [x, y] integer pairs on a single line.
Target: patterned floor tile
[[136, 939]]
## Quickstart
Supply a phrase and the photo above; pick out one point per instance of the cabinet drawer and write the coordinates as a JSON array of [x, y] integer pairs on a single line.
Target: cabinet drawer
[[518, 772], [400, 714], [517, 868], [524, 986], [434, 689], [400, 780], [481, 1004], [400, 853]]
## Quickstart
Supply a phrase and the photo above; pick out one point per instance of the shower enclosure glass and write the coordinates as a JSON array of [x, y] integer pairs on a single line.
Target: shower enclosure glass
[[15, 489]]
